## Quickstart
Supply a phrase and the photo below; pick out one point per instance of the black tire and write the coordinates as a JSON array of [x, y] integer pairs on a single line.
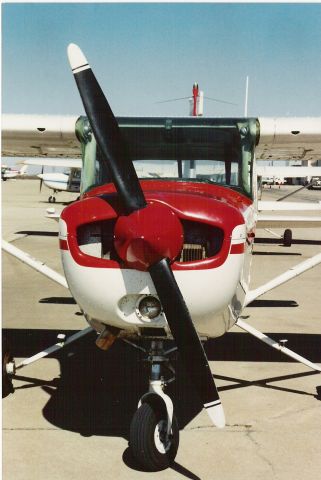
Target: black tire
[[7, 386], [142, 438], [287, 238]]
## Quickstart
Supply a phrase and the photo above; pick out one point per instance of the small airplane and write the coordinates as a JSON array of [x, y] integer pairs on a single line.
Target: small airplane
[[67, 181], [273, 181], [61, 182], [9, 172], [160, 257], [315, 183]]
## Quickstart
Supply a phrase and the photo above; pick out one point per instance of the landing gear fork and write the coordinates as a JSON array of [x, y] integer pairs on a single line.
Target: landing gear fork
[[154, 433]]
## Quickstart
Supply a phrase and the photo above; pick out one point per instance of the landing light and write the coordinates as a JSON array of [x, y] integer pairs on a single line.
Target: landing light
[[149, 307]]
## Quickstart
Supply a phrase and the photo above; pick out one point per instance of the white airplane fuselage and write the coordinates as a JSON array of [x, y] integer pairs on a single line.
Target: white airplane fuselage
[[59, 182], [55, 181], [213, 287], [10, 174]]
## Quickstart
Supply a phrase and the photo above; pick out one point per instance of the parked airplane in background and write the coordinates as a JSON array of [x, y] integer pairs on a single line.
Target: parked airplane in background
[[67, 181], [9, 172], [161, 255], [315, 183], [273, 181], [61, 182]]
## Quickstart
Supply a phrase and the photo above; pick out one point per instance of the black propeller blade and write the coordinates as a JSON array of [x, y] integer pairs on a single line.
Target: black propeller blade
[[106, 132], [41, 179], [187, 341], [124, 176]]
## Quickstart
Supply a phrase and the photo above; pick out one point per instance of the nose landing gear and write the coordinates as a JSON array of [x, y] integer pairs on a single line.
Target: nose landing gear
[[52, 198], [8, 369], [154, 433]]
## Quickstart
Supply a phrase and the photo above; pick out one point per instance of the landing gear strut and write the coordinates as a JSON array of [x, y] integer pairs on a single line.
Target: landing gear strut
[[154, 433]]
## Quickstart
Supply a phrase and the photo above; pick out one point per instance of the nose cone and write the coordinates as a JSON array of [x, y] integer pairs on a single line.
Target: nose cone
[[148, 235]]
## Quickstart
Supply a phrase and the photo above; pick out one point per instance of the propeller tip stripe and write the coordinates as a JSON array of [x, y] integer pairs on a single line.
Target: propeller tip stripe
[[211, 404], [81, 68], [76, 58]]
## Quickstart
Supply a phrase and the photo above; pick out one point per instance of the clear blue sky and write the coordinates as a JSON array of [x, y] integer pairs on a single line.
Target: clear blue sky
[[142, 53]]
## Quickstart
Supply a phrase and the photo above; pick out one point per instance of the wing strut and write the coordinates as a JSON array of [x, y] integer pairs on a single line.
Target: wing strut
[[277, 345], [33, 263], [283, 278]]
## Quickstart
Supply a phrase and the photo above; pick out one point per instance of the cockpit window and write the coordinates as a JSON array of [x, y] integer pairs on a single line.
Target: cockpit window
[[216, 171], [202, 150]]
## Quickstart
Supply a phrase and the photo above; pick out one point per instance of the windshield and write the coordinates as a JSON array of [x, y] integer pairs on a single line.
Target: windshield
[[203, 151], [217, 171]]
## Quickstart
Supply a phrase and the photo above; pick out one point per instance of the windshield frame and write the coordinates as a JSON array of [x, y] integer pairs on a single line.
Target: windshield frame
[[229, 141]]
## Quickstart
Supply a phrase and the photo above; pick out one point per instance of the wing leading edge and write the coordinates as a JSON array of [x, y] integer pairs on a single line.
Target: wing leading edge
[[39, 136]]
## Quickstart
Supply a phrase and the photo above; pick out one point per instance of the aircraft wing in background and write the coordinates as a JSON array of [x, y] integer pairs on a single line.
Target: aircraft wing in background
[[287, 221], [287, 172], [55, 162]]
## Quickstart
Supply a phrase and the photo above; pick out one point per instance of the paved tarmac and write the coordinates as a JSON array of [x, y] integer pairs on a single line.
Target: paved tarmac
[[69, 416]]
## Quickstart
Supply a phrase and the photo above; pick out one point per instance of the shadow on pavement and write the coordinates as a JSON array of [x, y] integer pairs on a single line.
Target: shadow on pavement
[[97, 392]]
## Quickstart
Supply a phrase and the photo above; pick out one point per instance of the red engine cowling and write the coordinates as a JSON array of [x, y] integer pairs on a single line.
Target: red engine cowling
[[190, 223]]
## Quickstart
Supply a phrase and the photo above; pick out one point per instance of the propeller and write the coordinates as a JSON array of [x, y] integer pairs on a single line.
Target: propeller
[[142, 242], [41, 179]]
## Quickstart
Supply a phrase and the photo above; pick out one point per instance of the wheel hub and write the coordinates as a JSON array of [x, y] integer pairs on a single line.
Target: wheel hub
[[161, 439]]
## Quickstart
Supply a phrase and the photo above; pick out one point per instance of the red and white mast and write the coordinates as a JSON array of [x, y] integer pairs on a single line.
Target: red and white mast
[[196, 102]]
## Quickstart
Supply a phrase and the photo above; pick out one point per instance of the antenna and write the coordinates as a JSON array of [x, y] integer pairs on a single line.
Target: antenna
[[246, 95]]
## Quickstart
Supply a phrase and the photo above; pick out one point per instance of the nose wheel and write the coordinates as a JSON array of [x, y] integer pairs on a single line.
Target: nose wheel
[[7, 369], [151, 445], [154, 432]]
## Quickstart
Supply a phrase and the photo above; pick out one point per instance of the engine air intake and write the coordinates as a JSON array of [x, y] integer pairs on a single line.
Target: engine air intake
[[201, 240]]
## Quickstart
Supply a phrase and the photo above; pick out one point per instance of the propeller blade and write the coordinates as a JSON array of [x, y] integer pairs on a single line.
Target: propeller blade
[[41, 179], [108, 137], [187, 341], [106, 132]]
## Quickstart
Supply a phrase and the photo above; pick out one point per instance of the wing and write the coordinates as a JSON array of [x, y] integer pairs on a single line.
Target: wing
[[39, 136], [288, 172], [55, 162], [274, 206], [287, 221], [289, 138]]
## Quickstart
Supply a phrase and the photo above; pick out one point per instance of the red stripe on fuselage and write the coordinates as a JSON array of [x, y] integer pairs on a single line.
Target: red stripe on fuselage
[[63, 245], [237, 248]]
